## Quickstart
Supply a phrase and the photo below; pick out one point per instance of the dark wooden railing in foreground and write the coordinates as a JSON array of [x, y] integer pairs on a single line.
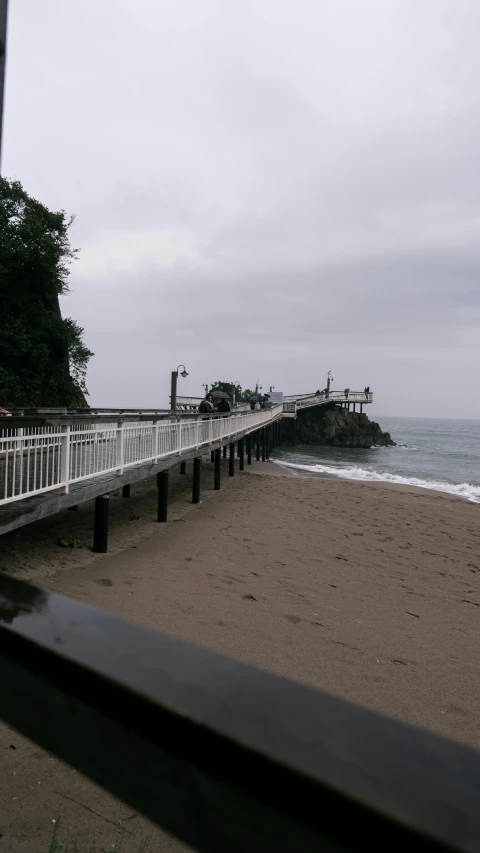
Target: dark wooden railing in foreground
[[225, 756]]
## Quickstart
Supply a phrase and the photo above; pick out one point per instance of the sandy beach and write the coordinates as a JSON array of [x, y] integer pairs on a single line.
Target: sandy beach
[[363, 590]]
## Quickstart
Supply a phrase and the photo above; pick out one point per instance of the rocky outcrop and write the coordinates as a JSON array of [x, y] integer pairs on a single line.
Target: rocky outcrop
[[335, 427]]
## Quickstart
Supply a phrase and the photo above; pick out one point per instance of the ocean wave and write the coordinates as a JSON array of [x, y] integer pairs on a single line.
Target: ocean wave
[[397, 447], [460, 490]]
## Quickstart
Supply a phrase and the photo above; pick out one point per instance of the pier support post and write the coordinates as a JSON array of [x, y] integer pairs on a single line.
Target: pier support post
[[212, 456], [100, 530], [264, 444], [197, 462], [231, 466], [126, 491], [238, 447], [183, 467], [361, 408], [73, 508], [218, 460], [224, 451], [162, 505], [257, 445], [249, 449], [267, 442], [354, 407], [242, 454], [294, 430]]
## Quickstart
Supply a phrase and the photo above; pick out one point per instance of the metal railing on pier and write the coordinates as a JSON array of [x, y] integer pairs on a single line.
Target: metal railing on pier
[[302, 401], [35, 460]]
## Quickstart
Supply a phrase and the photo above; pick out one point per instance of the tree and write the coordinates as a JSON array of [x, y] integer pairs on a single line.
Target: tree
[[227, 387], [43, 357]]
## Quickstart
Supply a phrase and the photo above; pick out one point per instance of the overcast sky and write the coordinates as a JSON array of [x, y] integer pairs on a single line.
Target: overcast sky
[[263, 190]]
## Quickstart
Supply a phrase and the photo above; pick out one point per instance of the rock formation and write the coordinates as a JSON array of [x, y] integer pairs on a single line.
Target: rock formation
[[335, 427]]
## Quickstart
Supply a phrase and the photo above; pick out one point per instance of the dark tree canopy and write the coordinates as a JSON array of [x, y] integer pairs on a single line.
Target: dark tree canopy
[[227, 387], [43, 359]]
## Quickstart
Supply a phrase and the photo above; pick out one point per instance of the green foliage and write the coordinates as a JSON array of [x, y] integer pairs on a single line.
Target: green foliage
[[241, 396], [43, 358]]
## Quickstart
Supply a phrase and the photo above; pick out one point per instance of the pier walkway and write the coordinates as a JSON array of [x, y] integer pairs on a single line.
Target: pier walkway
[[54, 459], [292, 404], [46, 468]]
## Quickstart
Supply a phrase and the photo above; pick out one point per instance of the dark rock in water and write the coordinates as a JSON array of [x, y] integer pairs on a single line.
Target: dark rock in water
[[335, 427]]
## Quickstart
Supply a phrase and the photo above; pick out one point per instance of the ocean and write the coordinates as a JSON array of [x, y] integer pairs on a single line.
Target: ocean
[[442, 454]]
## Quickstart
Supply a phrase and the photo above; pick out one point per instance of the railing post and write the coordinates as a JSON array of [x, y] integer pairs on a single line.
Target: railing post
[[179, 445], [65, 459], [120, 438]]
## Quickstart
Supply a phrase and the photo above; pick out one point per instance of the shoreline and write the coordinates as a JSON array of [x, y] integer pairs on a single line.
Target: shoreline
[[368, 593], [301, 472]]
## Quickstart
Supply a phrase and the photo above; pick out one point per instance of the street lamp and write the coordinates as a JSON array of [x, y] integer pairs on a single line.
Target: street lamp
[[234, 385], [173, 386]]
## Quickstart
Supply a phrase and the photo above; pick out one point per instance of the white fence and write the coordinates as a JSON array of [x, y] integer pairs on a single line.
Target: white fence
[[302, 401], [37, 460]]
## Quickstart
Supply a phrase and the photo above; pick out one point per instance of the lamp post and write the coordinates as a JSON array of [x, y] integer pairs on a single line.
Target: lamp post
[[173, 386], [329, 380], [3, 50], [234, 386]]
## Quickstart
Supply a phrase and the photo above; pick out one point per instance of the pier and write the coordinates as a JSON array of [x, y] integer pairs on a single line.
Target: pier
[[56, 459], [64, 462]]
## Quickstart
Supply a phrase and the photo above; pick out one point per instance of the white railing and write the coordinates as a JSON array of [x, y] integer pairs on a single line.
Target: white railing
[[38, 459], [292, 403]]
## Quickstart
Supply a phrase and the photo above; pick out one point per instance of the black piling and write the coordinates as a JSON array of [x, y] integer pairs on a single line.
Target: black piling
[[162, 485], [238, 448], [100, 530], [264, 444], [231, 466], [225, 451], [73, 508], [241, 444], [212, 456], [218, 460], [249, 449], [257, 444], [197, 462], [183, 467], [126, 491], [268, 439]]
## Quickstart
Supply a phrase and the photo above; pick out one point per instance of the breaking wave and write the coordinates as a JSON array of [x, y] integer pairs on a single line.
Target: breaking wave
[[460, 490]]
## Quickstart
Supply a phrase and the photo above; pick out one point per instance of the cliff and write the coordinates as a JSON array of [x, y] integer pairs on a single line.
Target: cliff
[[335, 427]]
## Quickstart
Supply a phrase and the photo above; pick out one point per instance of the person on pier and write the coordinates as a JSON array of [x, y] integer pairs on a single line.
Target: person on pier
[[206, 407]]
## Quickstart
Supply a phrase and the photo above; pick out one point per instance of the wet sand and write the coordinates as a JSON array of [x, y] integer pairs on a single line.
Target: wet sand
[[364, 590]]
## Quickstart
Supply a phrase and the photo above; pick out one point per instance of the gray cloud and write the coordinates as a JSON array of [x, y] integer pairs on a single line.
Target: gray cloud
[[264, 190]]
